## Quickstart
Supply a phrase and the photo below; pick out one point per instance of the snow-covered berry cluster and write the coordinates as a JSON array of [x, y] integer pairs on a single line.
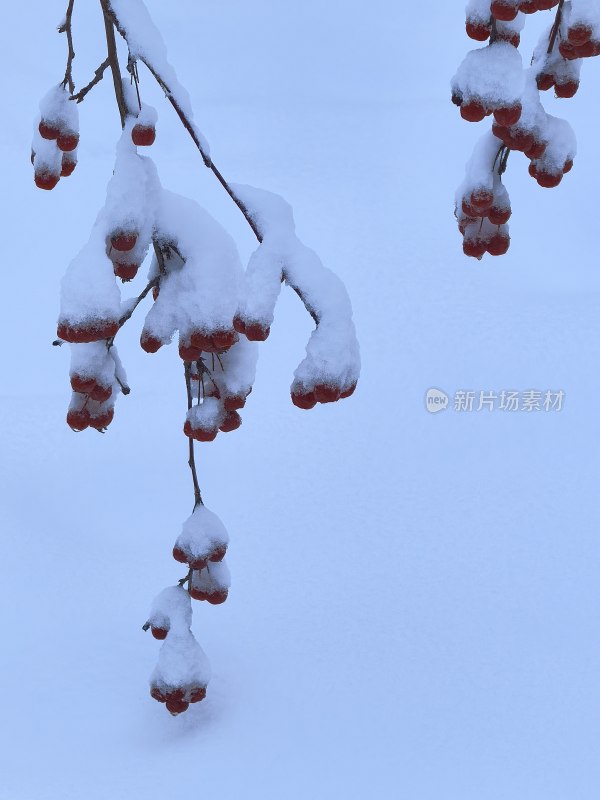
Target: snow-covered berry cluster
[[492, 80], [201, 295]]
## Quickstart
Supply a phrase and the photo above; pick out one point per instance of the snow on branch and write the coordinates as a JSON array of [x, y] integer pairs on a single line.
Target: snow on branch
[[332, 364]]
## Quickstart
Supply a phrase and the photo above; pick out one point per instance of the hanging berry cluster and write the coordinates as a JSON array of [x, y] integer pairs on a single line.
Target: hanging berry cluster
[[492, 81], [200, 293]]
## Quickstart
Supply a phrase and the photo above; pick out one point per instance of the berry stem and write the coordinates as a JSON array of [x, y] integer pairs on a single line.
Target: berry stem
[[192, 457], [555, 27]]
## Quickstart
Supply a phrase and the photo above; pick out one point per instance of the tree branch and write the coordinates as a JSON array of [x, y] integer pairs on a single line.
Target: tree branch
[[113, 60], [98, 75], [66, 27]]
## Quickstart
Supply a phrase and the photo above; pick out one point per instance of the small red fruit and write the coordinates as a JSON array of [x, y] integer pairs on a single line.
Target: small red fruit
[[508, 116], [46, 180], [305, 400], [101, 393], [536, 150], [143, 135], [231, 422], [548, 179], [481, 200], [239, 324], [256, 332], [477, 30], [150, 344], [197, 694], [175, 705], [473, 111], [504, 10], [156, 693], [82, 385], [78, 420], [568, 166], [544, 81], [67, 142], [102, 421], [579, 34], [218, 554], [187, 352], [566, 89], [325, 393], [68, 166], [48, 131], [124, 241], [348, 392], [475, 248], [498, 244], [499, 216], [218, 597], [179, 555], [234, 402], [159, 633], [223, 340], [126, 272]]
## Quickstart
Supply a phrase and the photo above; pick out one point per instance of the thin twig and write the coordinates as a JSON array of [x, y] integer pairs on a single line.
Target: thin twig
[[66, 27], [98, 75], [555, 27], [192, 458], [149, 286]]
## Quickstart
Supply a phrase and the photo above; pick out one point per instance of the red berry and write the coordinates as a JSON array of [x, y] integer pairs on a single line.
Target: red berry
[[239, 324], [197, 563], [78, 420], [223, 340], [197, 594], [68, 165], [472, 111], [325, 393], [234, 402], [481, 200], [218, 554], [536, 150], [532, 169], [256, 332], [156, 693], [102, 421], [188, 352], [46, 180], [544, 81], [508, 116], [305, 400], [48, 131], [499, 216], [528, 6], [568, 166], [124, 241], [231, 422], [159, 633], [101, 393], [126, 272], [548, 179], [197, 694], [179, 555], [504, 10], [150, 343], [567, 50], [579, 34], [82, 385], [475, 248], [477, 30], [457, 98], [143, 135], [176, 706], [348, 392], [67, 142], [498, 244], [217, 597], [566, 89]]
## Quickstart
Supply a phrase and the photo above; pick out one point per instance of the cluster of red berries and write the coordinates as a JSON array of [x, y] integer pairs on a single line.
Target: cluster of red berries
[[177, 699], [48, 172], [121, 252]]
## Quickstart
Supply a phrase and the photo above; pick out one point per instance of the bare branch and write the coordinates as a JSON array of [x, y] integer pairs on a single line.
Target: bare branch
[[113, 59], [66, 27], [98, 75], [555, 27]]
